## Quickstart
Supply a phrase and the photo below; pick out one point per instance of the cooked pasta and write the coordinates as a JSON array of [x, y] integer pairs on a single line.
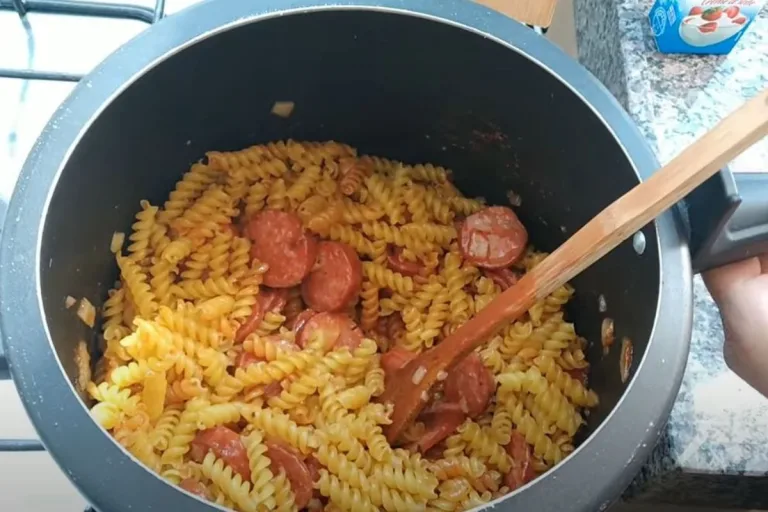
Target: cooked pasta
[[227, 374]]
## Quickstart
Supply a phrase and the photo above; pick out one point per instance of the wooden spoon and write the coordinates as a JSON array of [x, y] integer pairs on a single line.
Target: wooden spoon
[[532, 12], [613, 225]]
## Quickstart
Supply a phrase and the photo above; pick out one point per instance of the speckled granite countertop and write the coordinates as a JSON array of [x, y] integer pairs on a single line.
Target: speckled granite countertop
[[715, 448]]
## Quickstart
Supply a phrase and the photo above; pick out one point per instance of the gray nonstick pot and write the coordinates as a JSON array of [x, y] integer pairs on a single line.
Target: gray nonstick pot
[[448, 82]]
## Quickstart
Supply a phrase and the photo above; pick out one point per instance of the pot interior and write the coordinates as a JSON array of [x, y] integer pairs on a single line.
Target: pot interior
[[392, 85]]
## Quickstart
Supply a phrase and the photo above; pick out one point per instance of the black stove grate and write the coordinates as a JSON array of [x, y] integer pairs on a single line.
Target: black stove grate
[[73, 8], [144, 14]]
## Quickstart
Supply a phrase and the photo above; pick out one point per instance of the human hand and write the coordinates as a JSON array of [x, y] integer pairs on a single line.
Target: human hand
[[741, 292]]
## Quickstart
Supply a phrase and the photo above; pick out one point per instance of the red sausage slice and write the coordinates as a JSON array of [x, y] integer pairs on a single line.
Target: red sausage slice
[[285, 458], [522, 471], [335, 279], [280, 241], [439, 425], [195, 487], [394, 359], [503, 277], [340, 330], [493, 237], [301, 320], [226, 444], [579, 374], [400, 264], [471, 385], [246, 359], [273, 300]]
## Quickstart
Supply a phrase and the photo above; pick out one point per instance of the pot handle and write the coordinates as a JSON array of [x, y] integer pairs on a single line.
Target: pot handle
[[727, 219], [537, 13]]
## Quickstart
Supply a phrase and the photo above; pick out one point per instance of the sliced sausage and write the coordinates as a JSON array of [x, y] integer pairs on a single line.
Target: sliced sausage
[[280, 241], [439, 424], [470, 385], [226, 444], [195, 487], [580, 374], [339, 330], [493, 237], [273, 300], [399, 264], [335, 279], [245, 359], [285, 458], [394, 359], [300, 321], [273, 389], [503, 277], [522, 470]]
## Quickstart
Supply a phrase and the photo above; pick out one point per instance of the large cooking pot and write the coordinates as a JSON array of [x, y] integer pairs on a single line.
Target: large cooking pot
[[448, 82]]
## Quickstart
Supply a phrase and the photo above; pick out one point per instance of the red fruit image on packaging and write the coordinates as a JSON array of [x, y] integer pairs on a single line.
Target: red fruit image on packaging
[[732, 11], [712, 14]]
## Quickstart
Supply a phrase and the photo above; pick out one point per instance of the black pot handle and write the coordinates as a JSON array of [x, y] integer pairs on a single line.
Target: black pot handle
[[727, 219]]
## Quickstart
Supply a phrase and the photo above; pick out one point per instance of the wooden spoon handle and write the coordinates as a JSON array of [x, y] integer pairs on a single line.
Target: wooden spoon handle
[[532, 12], [613, 225]]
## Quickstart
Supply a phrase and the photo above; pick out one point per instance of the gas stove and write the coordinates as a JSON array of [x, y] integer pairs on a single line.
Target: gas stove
[[47, 46]]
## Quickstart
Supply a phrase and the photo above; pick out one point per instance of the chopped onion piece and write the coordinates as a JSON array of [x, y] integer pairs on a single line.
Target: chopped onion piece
[[424, 396], [69, 301], [418, 375], [283, 108], [602, 306], [118, 239], [607, 335], [86, 312], [625, 361], [514, 198], [442, 375]]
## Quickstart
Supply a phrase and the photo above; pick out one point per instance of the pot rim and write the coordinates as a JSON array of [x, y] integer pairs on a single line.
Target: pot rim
[[592, 477]]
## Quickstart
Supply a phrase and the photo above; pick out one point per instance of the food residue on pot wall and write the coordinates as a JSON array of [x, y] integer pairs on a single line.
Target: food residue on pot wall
[[625, 360], [607, 335]]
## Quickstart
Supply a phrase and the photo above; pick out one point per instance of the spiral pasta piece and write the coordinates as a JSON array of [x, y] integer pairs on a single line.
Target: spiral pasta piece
[[218, 414], [187, 190], [350, 237], [114, 329], [166, 423], [369, 297], [301, 188], [534, 435], [183, 433], [229, 482], [455, 282], [397, 236], [256, 198], [142, 231], [356, 213], [435, 318], [418, 483], [136, 281], [203, 218], [296, 393], [263, 490], [481, 445], [278, 196], [196, 289], [276, 424], [385, 278], [342, 494], [186, 323], [456, 467], [570, 387]]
